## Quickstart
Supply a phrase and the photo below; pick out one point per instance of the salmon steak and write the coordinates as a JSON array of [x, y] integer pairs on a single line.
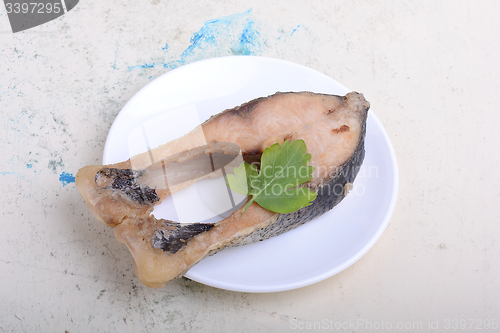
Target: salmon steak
[[123, 195]]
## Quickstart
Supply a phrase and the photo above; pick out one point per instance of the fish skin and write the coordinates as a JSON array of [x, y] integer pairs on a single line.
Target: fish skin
[[125, 180], [172, 236]]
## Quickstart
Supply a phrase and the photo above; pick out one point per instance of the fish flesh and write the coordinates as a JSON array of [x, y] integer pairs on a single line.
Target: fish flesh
[[123, 195]]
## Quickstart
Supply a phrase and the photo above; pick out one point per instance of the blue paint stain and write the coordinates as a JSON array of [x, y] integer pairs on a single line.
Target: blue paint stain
[[248, 40], [293, 31], [230, 35], [166, 47], [116, 57], [152, 65], [235, 34], [66, 178], [3, 173], [29, 165]]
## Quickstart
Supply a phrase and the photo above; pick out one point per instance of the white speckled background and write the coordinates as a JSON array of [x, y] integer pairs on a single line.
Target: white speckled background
[[431, 72]]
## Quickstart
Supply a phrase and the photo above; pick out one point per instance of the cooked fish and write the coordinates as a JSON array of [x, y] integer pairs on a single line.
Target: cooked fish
[[123, 195]]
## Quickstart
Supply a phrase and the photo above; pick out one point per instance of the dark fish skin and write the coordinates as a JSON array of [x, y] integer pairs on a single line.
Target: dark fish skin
[[172, 236], [124, 181]]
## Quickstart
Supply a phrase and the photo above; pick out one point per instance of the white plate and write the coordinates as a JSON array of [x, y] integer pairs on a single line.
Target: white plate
[[303, 256]]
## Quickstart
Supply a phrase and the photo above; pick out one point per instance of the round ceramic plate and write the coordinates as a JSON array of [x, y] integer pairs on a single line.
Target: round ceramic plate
[[305, 255]]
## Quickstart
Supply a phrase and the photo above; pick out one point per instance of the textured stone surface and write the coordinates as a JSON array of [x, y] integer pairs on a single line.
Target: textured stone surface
[[430, 70]]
